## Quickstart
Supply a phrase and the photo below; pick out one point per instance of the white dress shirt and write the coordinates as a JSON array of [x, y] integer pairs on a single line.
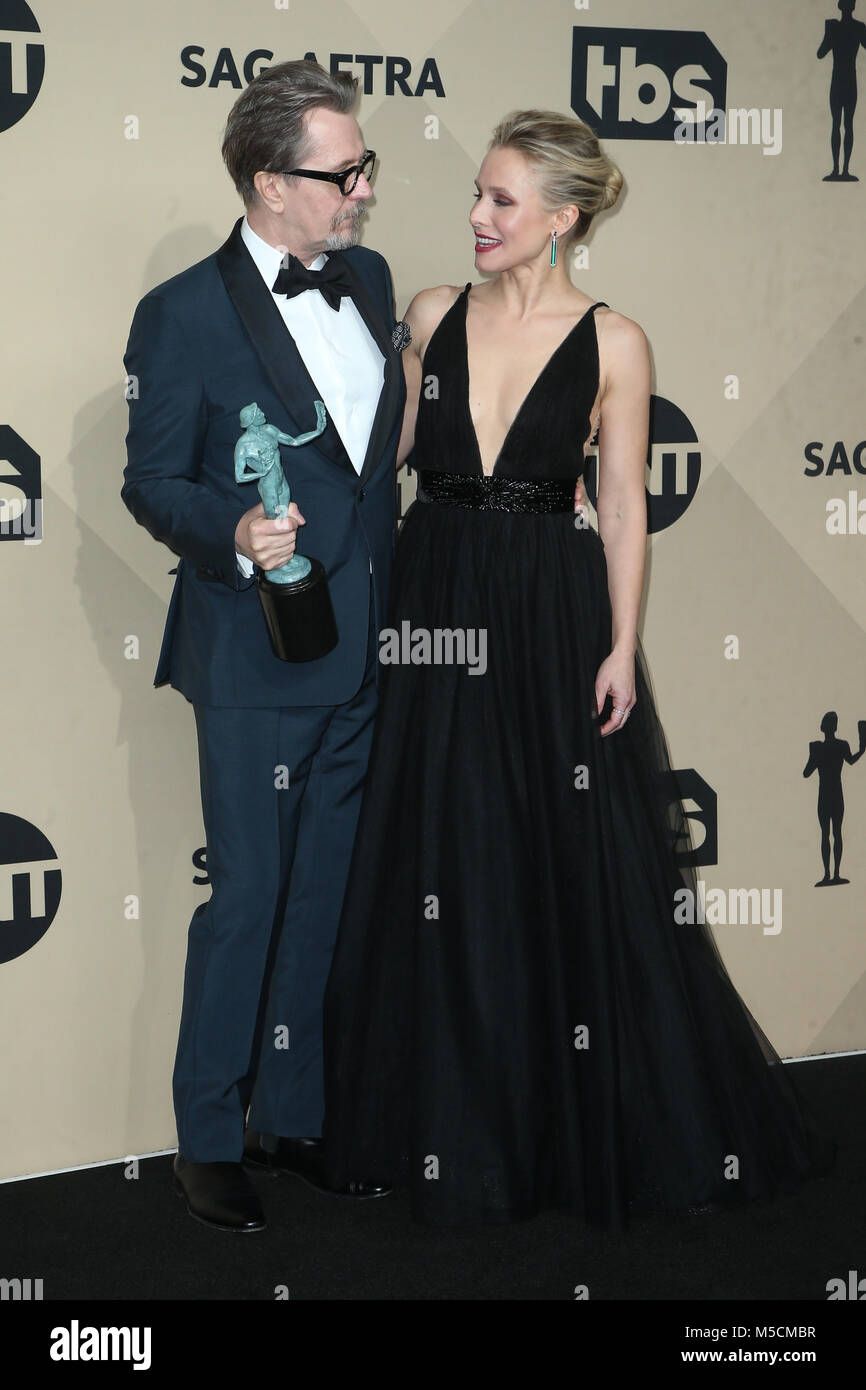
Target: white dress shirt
[[338, 351]]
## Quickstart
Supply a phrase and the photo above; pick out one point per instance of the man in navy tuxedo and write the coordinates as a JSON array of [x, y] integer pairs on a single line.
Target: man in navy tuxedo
[[283, 748]]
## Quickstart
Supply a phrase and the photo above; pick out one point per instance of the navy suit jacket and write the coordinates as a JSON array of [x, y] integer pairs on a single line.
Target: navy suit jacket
[[203, 345]]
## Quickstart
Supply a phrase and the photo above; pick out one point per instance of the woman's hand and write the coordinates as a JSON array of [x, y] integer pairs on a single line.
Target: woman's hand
[[616, 678], [580, 500]]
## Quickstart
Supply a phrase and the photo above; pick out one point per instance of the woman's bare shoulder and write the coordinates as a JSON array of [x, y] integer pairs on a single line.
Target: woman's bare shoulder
[[619, 326], [621, 341]]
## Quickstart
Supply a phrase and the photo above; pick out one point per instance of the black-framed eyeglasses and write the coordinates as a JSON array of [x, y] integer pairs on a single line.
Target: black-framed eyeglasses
[[346, 179]]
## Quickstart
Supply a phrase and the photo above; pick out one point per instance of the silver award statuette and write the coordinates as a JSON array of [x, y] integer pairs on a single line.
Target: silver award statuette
[[295, 597]]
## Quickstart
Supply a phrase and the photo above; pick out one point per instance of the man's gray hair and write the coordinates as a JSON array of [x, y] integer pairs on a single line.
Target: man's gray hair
[[266, 127]]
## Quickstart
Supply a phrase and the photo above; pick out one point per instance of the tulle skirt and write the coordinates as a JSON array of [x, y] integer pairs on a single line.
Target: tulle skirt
[[523, 1009]]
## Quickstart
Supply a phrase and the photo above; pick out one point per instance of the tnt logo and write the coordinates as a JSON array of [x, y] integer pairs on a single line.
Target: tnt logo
[[628, 84], [673, 465], [22, 61], [29, 886], [20, 488]]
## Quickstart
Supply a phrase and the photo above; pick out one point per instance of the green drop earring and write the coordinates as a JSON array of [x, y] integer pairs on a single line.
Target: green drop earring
[[553, 248]]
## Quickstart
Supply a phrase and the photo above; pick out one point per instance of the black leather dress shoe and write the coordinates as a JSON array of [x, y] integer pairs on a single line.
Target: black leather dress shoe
[[303, 1158], [219, 1194]]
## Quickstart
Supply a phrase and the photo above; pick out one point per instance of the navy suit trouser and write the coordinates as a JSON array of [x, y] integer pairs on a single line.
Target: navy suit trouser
[[281, 793]]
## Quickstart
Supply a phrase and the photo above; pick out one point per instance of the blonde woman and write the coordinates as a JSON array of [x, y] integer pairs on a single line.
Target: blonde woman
[[515, 1019]]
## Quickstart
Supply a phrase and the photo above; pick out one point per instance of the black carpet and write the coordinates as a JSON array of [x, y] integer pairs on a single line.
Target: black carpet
[[95, 1235]]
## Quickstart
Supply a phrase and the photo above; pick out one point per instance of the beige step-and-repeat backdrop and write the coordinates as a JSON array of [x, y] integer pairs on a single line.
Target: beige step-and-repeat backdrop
[[743, 262]]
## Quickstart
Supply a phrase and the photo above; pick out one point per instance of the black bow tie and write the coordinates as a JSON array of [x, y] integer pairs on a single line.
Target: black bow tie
[[332, 280]]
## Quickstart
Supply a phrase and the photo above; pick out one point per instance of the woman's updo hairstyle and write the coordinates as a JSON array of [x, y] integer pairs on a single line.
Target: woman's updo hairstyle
[[569, 165]]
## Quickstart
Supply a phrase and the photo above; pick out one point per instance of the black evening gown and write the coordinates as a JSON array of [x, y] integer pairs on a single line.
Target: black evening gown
[[514, 1018]]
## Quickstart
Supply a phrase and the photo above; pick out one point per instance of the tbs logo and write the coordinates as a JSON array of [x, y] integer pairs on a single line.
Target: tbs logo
[[628, 84], [673, 465], [20, 489], [701, 808]]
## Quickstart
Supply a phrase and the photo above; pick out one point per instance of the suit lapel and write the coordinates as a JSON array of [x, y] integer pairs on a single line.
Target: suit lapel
[[284, 365], [275, 346]]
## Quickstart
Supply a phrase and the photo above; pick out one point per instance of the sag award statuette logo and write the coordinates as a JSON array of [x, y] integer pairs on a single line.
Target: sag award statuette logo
[[295, 597]]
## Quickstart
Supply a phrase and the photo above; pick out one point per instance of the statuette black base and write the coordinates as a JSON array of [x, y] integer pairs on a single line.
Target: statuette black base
[[300, 616]]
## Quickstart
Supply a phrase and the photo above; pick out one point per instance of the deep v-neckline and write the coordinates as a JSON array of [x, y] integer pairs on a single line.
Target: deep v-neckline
[[523, 404]]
